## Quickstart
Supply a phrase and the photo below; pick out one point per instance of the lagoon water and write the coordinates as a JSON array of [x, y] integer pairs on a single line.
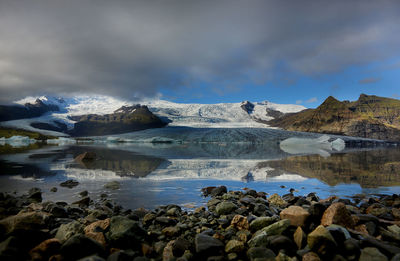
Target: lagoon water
[[153, 174]]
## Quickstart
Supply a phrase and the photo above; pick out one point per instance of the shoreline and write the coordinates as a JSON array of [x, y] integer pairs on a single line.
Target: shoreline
[[235, 225]]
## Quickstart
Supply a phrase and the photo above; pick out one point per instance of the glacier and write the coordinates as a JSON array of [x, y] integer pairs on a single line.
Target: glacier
[[221, 115]]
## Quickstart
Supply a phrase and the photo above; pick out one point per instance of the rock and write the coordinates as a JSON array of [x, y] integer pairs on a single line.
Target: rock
[[84, 193], [113, 185], [396, 257], [25, 221], [260, 253], [234, 246], [66, 231], [297, 215], [79, 246], [97, 226], [259, 240], [168, 255], [277, 228], [262, 222], [86, 156], [339, 233], [372, 254], [125, 233], [337, 213], [207, 245], [179, 246], [46, 249], [225, 208], [166, 221], [377, 210], [35, 195], [321, 241], [121, 255], [57, 211], [207, 191], [351, 249], [92, 258], [53, 189], [10, 250], [69, 183], [387, 249], [396, 213], [240, 222], [278, 243], [171, 231], [311, 256], [300, 238], [276, 200], [84, 202], [219, 191], [98, 237], [395, 229]]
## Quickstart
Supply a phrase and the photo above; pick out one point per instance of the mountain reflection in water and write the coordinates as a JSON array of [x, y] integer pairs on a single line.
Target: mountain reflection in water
[[369, 169]]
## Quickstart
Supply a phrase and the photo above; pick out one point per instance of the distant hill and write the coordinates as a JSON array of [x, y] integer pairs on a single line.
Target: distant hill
[[369, 117]]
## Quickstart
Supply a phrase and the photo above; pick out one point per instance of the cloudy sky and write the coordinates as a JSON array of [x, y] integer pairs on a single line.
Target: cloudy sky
[[200, 51]]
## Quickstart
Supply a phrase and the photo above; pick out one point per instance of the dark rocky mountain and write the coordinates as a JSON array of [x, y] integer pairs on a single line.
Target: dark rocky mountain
[[369, 117], [125, 119], [29, 110]]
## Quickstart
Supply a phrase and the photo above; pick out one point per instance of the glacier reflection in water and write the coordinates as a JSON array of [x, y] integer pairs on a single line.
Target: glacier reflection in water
[[153, 174]]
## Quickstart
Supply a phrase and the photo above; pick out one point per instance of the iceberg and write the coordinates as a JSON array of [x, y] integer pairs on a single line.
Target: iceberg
[[321, 145], [61, 141], [17, 141]]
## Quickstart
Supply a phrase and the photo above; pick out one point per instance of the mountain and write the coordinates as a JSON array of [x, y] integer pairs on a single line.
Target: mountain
[[77, 112], [28, 110], [369, 117], [125, 119]]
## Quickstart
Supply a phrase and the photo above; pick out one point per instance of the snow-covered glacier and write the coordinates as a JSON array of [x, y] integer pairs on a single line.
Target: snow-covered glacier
[[221, 115]]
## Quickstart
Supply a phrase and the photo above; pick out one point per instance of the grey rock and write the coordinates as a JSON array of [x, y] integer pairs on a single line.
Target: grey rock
[[262, 222], [225, 208], [372, 254], [125, 233], [260, 253], [113, 185], [80, 246], [66, 231], [207, 245]]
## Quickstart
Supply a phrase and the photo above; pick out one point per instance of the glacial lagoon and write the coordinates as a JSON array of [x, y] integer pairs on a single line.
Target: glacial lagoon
[[152, 174]]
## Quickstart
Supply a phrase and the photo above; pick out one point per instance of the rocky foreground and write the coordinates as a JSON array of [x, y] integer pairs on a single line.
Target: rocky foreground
[[236, 225]]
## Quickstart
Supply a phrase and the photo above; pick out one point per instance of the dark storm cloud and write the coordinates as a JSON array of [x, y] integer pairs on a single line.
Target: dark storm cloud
[[369, 80], [129, 48]]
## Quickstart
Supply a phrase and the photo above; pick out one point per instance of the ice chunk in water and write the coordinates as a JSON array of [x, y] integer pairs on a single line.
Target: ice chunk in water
[[319, 145], [338, 144], [61, 141], [19, 141]]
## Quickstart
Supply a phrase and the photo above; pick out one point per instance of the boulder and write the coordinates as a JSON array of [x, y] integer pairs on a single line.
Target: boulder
[[207, 245], [321, 241], [337, 213], [311, 256], [240, 222], [234, 246], [297, 215], [225, 208], [125, 233], [45, 250], [69, 183], [262, 222], [66, 231], [276, 200], [25, 221], [300, 238], [277, 228], [79, 246], [372, 254], [260, 253]]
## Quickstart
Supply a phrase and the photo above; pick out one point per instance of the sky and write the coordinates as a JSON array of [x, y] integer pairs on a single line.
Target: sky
[[200, 51]]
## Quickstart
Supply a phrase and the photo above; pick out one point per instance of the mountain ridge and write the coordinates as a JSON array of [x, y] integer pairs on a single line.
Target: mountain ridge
[[368, 117]]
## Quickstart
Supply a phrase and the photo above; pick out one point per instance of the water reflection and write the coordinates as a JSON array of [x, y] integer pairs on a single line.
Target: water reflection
[[372, 168]]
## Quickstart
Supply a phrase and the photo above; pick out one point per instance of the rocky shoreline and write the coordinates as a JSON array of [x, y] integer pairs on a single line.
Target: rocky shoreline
[[235, 225]]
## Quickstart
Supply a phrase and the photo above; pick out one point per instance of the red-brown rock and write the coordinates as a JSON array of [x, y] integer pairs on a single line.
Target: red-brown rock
[[337, 213], [297, 215]]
